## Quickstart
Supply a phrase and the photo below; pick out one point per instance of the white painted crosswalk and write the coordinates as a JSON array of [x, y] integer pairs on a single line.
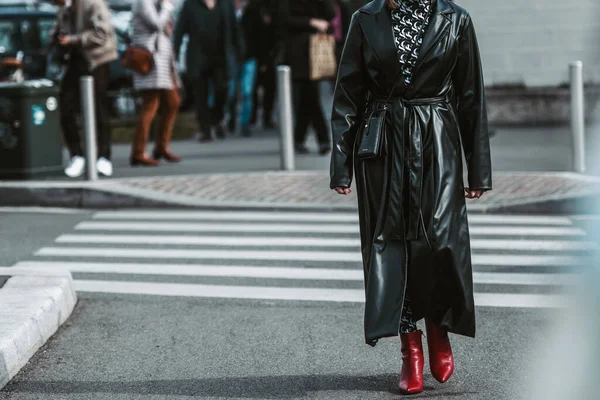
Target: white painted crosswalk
[[519, 261]]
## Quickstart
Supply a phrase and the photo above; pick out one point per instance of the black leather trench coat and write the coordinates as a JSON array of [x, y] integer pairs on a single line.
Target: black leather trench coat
[[412, 211]]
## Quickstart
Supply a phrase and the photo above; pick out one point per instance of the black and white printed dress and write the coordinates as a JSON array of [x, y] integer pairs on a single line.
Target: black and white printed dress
[[409, 23]]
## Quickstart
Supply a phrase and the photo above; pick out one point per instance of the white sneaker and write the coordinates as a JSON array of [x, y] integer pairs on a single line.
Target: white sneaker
[[75, 167], [104, 167]]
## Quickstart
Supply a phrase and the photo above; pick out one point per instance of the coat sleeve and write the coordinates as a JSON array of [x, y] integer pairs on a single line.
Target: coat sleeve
[[348, 101], [152, 18], [181, 28], [101, 28], [472, 114]]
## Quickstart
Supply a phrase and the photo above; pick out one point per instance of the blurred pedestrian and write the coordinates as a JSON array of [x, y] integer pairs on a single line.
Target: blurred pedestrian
[[409, 92], [84, 30], [242, 83], [302, 19], [270, 55], [214, 41], [340, 25], [152, 30]]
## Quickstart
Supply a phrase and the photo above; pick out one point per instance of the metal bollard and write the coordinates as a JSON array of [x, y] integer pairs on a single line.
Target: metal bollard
[[89, 126], [577, 116], [284, 94]]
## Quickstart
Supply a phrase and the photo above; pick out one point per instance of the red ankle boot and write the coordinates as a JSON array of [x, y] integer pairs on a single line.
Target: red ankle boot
[[411, 377], [441, 360]]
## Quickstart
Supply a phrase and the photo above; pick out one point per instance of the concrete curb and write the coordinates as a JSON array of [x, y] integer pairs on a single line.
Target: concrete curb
[[36, 302]]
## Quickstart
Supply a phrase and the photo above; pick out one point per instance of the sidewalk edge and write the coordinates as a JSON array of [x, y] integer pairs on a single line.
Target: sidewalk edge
[[39, 303]]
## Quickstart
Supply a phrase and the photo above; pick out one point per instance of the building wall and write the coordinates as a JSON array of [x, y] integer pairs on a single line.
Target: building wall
[[531, 42]]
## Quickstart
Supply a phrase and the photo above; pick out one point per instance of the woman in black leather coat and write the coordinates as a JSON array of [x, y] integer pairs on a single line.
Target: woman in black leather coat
[[411, 198]]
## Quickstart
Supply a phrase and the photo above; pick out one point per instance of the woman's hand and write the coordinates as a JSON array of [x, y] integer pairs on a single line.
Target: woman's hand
[[343, 191], [473, 194], [319, 24]]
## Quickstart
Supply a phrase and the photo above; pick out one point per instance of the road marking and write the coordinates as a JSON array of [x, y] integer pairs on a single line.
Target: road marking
[[526, 231], [526, 260], [520, 278], [310, 217], [222, 291], [332, 274], [533, 245], [265, 241], [307, 228], [298, 255], [298, 294], [216, 227], [228, 216], [201, 254], [517, 300], [210, 240]]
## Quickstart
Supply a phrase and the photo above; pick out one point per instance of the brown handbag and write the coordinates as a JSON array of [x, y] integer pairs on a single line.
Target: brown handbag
[[139, 59], [323, 63]]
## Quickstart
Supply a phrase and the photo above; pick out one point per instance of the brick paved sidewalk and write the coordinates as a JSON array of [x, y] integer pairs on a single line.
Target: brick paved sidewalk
[[311, 189]]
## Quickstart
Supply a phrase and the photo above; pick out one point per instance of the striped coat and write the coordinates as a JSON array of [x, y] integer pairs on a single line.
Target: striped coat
[[151, 30]]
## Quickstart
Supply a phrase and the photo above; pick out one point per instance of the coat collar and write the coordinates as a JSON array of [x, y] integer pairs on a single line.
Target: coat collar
[[378, 24], [377, 6]]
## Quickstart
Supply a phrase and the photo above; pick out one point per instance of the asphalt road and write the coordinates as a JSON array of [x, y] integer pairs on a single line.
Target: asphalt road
[[139, 346]]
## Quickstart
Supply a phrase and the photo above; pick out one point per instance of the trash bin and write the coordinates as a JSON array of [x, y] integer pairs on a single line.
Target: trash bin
[[30, 139]]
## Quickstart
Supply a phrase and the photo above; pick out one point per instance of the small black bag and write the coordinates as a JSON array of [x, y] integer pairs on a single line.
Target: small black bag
[[373, 130]]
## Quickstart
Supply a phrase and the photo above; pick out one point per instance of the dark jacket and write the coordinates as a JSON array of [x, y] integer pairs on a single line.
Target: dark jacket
[[296, 15], [206, 49], [413, 218], [250, 24]]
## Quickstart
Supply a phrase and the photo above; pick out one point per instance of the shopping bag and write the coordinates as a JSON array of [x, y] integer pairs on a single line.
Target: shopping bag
[[323, 64]]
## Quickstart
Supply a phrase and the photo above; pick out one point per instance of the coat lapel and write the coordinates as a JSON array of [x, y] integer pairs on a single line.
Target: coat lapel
[[377, 24], [437, 29]]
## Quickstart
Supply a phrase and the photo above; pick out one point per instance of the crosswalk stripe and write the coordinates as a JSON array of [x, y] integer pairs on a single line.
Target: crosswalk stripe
[[297, 294], [222, 291], [533, 245], [209, 240], [520, 300], [201, 254], [526, 231], [331, 274], [216, 227], [265, 241], [228, 216], [337, 274], [308, 228], [309, 217], [298, 255], [527, 260]]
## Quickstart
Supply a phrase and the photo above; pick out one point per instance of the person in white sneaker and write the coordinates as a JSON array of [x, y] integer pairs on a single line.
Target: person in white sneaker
[[84, 31]]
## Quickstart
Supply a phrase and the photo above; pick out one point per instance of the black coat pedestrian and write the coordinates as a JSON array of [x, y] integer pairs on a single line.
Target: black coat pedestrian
[[296, 16], [413, 217], [215, 39]]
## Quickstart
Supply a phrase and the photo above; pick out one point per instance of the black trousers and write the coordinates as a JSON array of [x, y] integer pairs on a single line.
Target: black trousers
[[210, 116], [266, 79], [70, 107], [307, 111]]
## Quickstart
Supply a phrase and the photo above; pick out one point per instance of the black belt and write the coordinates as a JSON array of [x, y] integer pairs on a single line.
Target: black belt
[[414, 163]]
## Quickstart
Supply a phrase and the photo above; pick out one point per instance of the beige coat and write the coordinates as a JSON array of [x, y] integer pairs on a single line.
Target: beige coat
[[93, 30]]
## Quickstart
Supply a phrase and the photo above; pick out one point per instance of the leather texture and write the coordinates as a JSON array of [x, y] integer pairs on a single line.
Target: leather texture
[[441, 359], [372, 134], [411, 376], [413, 217]]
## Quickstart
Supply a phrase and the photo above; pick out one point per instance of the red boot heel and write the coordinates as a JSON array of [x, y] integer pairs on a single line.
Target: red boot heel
[[441, 359], [411, 377]]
